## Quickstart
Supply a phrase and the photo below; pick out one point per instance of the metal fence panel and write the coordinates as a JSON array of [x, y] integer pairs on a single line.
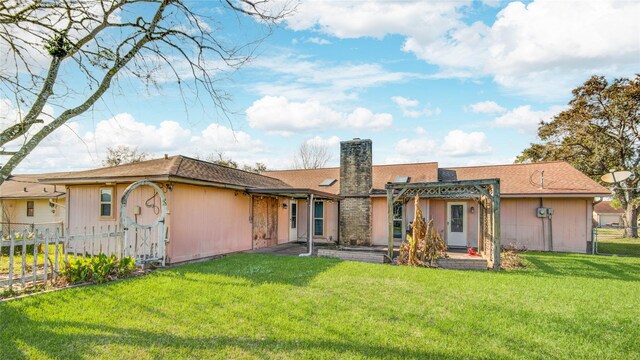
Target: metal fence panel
[[616, 240]]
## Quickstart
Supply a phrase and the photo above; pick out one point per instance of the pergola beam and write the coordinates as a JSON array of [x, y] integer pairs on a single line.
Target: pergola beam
[[462, 189]]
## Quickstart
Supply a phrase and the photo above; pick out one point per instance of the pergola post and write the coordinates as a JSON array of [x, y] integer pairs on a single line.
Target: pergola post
[[390, 221], [496, 225]]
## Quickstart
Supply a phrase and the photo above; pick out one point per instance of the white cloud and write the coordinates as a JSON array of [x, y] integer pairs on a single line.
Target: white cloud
[[300, 78], [420, 146], [486, 107], [459, 143], [404, 102], [218, 138], [318, 41], [456, 143], [542, 48], [73, 147], [278, 115], [123, 129], [410, 109], [526, 120], [330, 142], [353, 19]]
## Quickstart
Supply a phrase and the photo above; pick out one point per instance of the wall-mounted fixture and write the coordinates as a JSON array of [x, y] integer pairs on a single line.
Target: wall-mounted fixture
[[284, 205], [473, 210]]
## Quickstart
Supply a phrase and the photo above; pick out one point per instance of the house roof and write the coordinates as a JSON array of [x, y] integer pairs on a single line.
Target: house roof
[[382, 174], [173, 168], [605, 207], [28, 187], [560, 178]]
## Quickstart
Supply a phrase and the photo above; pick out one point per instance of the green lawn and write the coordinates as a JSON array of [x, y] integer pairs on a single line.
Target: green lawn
[[262, 306], [17, 260], [622, 246]]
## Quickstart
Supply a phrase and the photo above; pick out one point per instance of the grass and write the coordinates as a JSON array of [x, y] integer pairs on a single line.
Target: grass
[[263, 306], [612, 241], [620, 246], [17, 259]]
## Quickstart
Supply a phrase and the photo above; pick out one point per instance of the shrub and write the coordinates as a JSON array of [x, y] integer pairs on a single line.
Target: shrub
[[97, 269], [510, 259]]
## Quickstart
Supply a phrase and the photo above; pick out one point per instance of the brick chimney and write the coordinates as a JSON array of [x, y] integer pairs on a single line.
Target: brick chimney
[[355, 185]]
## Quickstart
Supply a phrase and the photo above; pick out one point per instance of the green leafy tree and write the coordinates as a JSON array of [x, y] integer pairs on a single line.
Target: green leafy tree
[[599, 132]]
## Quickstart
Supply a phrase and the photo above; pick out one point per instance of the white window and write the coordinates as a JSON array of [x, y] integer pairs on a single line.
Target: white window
[[318, 218], [106, 202]]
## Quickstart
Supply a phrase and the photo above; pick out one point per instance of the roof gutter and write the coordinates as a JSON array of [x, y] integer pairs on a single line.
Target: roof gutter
[[205, 183]]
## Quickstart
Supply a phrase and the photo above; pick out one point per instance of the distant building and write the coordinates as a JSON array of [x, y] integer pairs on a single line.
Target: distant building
[[606, 215]]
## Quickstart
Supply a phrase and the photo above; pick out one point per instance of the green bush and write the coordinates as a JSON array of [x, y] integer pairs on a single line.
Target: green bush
[[97, 269]]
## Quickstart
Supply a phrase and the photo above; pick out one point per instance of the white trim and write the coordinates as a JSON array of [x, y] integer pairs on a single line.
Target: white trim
[[465, 221], [293, 232]]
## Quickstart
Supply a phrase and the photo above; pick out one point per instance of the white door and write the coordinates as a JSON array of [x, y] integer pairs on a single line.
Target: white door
[[293, 220], [457, 224]]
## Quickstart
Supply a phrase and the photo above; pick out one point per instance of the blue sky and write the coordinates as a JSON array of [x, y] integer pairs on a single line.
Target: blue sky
[[461, 83]]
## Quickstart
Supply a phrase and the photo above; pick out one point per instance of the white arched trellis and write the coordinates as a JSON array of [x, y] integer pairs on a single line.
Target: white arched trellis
[[144, 242]]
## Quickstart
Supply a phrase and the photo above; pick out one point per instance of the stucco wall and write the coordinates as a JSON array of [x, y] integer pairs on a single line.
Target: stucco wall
[[283, 221], [571, 222], [84, 206], [330, 221], [208, 221]]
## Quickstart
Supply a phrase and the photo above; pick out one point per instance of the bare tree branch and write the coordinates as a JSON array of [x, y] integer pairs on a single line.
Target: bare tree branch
[[104, 41]]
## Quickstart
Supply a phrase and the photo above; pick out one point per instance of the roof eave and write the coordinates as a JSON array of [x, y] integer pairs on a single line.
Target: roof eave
[[293, 192], [101, 180], [39, 197]]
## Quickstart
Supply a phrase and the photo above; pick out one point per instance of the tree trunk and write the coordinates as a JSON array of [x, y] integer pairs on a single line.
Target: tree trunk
[[631, 221]]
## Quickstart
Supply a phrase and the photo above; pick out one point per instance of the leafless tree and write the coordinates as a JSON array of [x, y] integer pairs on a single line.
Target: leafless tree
[[96, 43], [122, 154], [311, 156]]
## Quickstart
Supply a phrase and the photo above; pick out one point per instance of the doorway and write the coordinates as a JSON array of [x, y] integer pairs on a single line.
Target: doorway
[[457, 224]]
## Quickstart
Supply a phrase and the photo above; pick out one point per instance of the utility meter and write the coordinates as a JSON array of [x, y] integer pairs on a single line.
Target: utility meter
[[541, 212]]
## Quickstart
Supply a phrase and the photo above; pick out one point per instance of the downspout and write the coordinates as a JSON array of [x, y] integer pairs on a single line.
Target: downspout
[[550, 233], [310, 227]]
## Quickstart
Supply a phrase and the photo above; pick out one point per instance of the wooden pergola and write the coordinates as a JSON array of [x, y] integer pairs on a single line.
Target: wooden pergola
[[485, 192]]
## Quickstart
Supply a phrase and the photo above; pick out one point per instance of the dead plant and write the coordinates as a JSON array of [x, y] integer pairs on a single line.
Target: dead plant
[[424, 245], [510, 259]]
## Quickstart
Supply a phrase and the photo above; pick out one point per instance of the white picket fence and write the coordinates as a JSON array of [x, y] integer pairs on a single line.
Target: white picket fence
[[29, 258]]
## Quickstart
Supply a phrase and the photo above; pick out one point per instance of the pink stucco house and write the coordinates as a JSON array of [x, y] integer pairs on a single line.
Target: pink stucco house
[[215, 210]]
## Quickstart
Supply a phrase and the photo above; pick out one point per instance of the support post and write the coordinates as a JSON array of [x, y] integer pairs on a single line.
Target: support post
[[390, 221], [496, 225], [309, 227]]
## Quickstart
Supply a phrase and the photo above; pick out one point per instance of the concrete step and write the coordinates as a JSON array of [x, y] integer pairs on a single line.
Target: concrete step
[[362, 256], [463, 264]]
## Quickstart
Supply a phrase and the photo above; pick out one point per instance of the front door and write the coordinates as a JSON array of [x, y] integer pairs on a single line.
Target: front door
[[293, 220], [457, 224]]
